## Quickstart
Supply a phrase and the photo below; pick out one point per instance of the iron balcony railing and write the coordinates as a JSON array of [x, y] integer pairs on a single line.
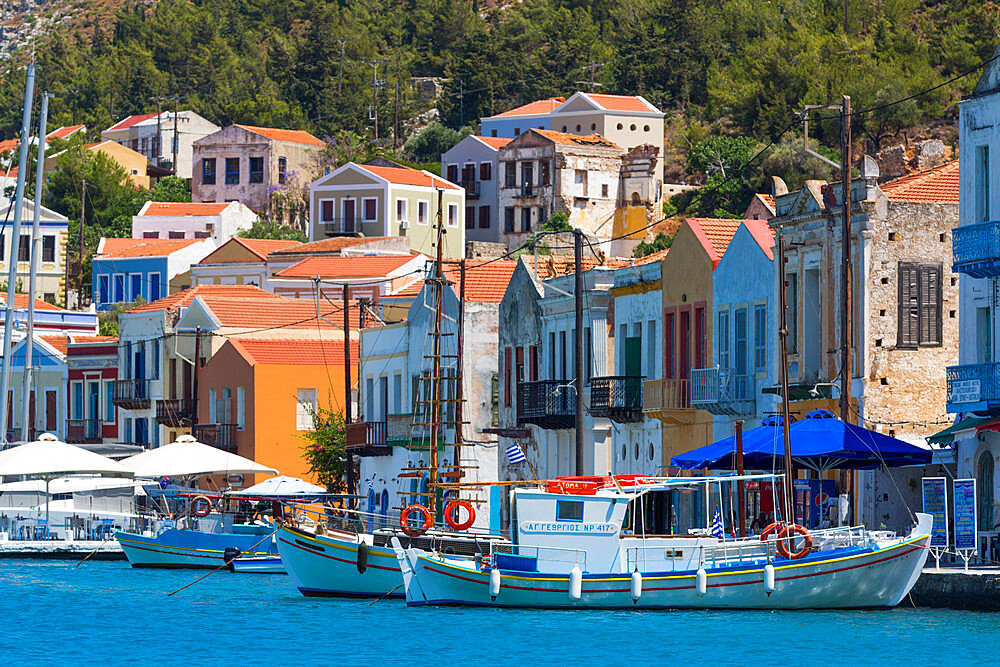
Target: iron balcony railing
[[221, 436], [341, 226], [975, 249], [471, 189], [14, 435], [83, 430], [368, 439], [722, 391], [618, 398], [174, 411], [974, 388], [527, 190], [550, 404], [131, 394]]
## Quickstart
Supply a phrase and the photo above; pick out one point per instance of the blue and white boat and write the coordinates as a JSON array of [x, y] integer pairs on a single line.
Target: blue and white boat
[[204, 545], [591, 551]]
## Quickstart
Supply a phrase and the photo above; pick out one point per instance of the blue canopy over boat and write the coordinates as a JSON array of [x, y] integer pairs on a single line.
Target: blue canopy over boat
[[820, 441]]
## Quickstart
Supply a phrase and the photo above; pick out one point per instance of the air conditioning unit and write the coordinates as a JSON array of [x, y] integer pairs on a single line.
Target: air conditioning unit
[[404, 224]]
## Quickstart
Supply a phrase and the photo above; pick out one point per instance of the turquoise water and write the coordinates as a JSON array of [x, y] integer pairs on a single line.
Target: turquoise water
[[110, 614]]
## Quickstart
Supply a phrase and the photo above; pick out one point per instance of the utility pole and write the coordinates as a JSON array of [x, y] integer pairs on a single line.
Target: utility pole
[[340, 70], [740, 485], [845, 263], [175, 142], [22, 172], [194, 376], [159, 133], [578, 357], [461, 103], [375, 87], [591, 83], [347, 383], [36, 250], [395, 119], [783, 339], [79, 259]]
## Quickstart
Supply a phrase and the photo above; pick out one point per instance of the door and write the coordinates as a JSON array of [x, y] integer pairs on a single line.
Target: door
[[348, 222], [984, 485], [633, 372], [51, 403], [93, 408]]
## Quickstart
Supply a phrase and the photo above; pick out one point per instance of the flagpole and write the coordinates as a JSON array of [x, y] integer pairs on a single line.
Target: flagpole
[[532, 468]]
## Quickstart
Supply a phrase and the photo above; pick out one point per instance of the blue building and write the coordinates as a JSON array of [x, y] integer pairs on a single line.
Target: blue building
[[127, 270]]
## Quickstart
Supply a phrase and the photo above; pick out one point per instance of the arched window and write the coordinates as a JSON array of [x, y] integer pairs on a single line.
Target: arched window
[[372, 503], [635, 199], [385, 508], [984, 480]]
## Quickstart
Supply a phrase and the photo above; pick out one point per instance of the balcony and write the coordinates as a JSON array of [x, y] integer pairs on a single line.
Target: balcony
[[14, 435], [668, 400], [368, 439], [975, 249], [617, 398], [471, 189], [722, 392], [220, 436], [527, 191], [974, 388], [174, 412], [550, 404], [83, 431], [131, 394], [342, 226]]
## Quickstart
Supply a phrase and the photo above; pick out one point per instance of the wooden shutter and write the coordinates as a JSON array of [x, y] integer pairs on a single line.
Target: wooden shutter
[[930, 304], [908, 329]]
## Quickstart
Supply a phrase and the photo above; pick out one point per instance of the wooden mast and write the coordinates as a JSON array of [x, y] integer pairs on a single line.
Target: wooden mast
[[438, 282], [783, 337]]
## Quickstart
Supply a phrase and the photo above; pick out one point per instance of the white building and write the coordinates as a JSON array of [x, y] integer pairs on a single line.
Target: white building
[[160, 137], [185, 220]]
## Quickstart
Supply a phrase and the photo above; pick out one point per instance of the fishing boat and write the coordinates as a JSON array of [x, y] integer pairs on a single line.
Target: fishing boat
[[591, 550], [270, 564]]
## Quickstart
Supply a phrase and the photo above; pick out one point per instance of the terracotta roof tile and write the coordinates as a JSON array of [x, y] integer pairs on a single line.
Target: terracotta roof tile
[[63, 132], [273, 312], [58, 342], [92, 340], [622, 103], [9, 145], [537, 107], [21, 301], [164, 208], [292, 136], [495, 142], [594, 140], [654, 257], [329, 245], [293, 352], [485, 280], [184, 298], [129, 121], [935, 185], [147, 248], [714, 234], [263, 247], [372, 266], [762, 234], [407, 176]]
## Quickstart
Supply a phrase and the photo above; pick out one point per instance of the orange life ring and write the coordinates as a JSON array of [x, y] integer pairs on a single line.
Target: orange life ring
[[207, 507], [420, 530], [451, 511], [785, 538], [771, 528]]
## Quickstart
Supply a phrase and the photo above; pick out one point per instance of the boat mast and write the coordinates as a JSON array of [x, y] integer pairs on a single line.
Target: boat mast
[[783, 338], [438, 281]]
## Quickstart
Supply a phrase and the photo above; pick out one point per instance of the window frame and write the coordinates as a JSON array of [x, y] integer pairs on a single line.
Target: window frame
[[322, 204], [48, 253], [920, 305], [364, 209], [760, 337], [454, 215], [256, 176], [230, 177], [423, 211], [406, 209], [209, 177]]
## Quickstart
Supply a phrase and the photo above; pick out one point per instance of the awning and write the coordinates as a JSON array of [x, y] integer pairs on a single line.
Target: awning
[[947, 436]]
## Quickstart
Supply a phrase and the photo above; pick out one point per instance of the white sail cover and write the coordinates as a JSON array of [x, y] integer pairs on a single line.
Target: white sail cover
[[49, 457], [188, 458]]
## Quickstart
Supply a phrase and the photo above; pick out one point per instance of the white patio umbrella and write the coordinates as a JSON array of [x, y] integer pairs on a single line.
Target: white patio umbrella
[[189, 459], [48, 458], [282, 486]]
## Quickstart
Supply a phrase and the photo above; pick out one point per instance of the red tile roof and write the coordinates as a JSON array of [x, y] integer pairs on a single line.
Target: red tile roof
[[935, 185], [275, 312], [92, 340], [184, 298], [147, 248], [292, 136], [485, 280], [21, 301], [63, 132], [594, 140], [162, 208], [714, 234], [373, 266], [495, 142], [654, 257], [329, 245], [130, 121], [9, 145], [293, 352], [622, 103], [762, 234], [58, 342], [263, 247], [537, 107], [552, 266], [406, 176]]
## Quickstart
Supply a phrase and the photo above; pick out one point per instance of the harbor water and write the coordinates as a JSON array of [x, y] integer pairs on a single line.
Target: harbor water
[[106, 613]]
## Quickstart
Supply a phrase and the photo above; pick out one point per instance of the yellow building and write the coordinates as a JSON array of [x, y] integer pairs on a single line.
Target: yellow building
[[133, 162]]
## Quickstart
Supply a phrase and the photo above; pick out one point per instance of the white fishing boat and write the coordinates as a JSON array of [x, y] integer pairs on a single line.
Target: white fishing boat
[[571, 550]]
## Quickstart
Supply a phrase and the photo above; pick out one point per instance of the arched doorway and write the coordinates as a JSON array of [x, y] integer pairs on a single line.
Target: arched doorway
[[984, 482]]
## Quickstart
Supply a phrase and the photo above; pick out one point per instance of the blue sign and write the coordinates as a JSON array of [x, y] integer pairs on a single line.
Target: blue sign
[[965, 514], [936, 504]]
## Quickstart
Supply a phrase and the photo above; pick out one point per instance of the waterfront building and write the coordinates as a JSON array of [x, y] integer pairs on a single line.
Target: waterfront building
[[474, 164], [47, 391], [184, 220], [51, 272], [238, 261], [367, 277], [92, 368]]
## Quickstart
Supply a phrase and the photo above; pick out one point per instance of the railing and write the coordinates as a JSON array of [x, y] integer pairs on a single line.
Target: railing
[[549, 554], [14, 435], [131, 394], [174, 411], [975, 249], [550, 404], [526, 190], [618, 398], [335, 226], [668, 400], [83, 430], [722, 391], [974, 387], [471, 189], [221, 436], [368, 439]]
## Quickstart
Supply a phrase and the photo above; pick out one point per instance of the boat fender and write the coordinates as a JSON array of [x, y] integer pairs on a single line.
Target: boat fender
[[494, 583], [362, 557], [701, 581], [229, 555], [769, 579], [575, 583], [201, 506], [636, 586]]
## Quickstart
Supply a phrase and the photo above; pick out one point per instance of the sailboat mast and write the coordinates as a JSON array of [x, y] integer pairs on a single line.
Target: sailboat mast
[[438, 281], [783, 339]]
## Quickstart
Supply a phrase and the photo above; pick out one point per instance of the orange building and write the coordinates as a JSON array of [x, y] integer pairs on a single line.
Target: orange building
[[259, 395]]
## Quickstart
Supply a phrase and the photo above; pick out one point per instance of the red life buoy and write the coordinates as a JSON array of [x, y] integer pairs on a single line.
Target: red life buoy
[[201, 513], [771, 528], [421, 529], [785, 538], [451, 512]]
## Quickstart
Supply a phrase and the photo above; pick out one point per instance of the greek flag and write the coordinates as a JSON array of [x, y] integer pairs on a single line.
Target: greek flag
[[717, 525], [515, 455]]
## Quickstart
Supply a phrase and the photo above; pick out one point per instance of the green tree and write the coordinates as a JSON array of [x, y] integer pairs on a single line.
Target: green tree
[[660, 242], [324, 448], [265, 229], [434, 140], [558, 222], [722, 161]]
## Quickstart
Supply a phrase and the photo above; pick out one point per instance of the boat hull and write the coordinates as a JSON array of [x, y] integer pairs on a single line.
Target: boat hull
[[850, 578], [327, 565], [259, 565], [175, 548]]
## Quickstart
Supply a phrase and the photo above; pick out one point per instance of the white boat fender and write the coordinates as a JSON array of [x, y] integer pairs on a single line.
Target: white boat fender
[[362, 557], [769, 579], [575, 583], [701, 581], [636, 586], [494, 583]]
